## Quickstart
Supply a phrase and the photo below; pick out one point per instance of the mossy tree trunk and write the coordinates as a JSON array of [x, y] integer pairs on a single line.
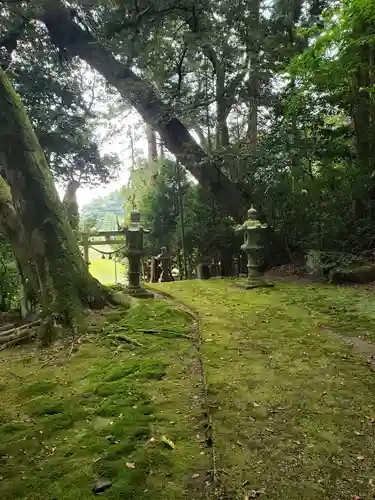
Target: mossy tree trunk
[[65, 285], [13, 233]]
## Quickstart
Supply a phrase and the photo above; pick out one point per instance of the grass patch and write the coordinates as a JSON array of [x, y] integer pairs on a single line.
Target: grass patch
[[291, 406], [350, 311], [104, 270], [68, 420], [159, 316]]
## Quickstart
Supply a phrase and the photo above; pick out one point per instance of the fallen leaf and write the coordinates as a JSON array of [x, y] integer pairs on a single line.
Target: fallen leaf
[[130, 465], [251, 494], [102, 485], [360, 457], [168, 442], [254, 493]]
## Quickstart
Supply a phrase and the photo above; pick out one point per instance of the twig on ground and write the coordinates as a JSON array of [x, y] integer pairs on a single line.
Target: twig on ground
[[7, 326], [4, 334], [168, 333], [74, 343], [17, 333], [126, 339], [25, 335]]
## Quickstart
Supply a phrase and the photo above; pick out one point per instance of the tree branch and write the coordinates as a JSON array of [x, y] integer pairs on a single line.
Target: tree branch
[[66, 34]]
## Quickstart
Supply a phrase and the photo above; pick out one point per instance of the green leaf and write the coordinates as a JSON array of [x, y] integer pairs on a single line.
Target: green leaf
[[168, 442]]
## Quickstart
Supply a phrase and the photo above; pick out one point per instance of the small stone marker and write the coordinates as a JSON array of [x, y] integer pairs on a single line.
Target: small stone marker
[[101, 485], [165, 263], [154, 274], [203, 271]]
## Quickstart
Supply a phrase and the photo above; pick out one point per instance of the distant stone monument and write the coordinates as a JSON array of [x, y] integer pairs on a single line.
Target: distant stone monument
[[253, 246], [203, 271], [165, 259], [154, 270], [134, 250]]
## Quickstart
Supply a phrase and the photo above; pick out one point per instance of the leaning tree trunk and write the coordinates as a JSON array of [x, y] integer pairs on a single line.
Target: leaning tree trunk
[[65, 283], [69, 36]]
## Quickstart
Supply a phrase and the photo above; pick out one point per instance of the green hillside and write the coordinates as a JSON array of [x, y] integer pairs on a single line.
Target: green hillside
[[102, 213]]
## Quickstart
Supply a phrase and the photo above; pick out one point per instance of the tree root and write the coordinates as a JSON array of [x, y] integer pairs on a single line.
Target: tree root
[[126, 339], [119, 299], [75, 343], [167, 333], [17, 333]]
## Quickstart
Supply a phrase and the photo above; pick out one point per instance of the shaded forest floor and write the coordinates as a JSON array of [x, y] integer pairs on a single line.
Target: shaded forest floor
[[255, 394]]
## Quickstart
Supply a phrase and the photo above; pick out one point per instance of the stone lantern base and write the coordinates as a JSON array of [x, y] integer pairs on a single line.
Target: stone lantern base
[[250, 284], [139, 292]]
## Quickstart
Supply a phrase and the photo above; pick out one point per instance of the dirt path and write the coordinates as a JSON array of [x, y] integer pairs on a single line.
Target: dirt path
[[200, 367], [367, 349]]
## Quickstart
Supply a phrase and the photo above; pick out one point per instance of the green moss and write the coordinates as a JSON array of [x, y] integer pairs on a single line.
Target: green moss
[[152, 314], [290, 405], [288, 402], [74, 418], [39, 387]]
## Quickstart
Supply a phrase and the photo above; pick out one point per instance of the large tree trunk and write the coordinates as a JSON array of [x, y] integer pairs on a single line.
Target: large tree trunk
[[66, 34], [65, 285]]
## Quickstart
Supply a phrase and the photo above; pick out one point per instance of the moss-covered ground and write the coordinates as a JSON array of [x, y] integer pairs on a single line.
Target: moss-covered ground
[[105, 411], [292, 408]]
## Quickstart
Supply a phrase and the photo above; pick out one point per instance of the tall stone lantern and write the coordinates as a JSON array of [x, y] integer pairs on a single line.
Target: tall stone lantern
[[134, 233], [253, 246]]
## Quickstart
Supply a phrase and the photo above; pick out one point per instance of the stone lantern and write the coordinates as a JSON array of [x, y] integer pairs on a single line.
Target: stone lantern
[[134, 250], [253, 246], [165, 260]]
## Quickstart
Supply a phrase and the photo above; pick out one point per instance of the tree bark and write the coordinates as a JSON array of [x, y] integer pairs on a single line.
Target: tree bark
[[12, 230], [254, 50], [68, 35], [70, 204], [151, 143], [65, 285]]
